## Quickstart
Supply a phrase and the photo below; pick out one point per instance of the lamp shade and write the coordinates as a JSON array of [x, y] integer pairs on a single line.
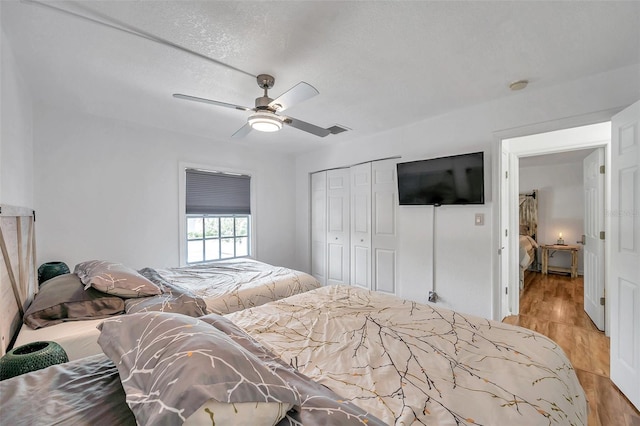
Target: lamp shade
[[265, 121]]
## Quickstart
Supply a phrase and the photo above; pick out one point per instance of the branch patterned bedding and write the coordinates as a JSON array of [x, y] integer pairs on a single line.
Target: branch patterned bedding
[[409, 363], [229, 286]]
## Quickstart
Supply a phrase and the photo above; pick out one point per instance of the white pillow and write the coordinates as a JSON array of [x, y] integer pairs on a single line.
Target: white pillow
[[240, 413]]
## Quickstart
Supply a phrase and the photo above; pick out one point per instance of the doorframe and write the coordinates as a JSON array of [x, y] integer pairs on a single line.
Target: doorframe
[[508, 304]]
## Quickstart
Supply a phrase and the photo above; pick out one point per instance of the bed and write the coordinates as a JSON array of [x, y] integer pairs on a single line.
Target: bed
[[527, 255], [382, 359], [528, 221], [231, 285], [407, 363], [220, 287]]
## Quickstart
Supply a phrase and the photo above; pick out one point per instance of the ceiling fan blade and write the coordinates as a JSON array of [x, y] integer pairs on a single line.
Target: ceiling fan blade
[[306, 127], [298, 93], [210, 101], [242, 131]]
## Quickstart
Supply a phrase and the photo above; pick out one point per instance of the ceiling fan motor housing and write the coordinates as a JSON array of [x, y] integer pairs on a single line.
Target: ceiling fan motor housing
[[263, 102], [265, 81]]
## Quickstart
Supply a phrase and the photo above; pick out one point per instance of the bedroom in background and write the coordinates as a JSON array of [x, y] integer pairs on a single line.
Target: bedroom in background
[[621, 141]]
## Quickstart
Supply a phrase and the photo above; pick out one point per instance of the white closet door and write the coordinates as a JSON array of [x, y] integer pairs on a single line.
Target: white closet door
[[384, 232], [361, 225], [338, 226], [319, 226]]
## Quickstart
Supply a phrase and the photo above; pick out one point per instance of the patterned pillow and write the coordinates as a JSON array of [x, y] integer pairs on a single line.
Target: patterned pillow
[[115, 278], [170, 365], [63, 298], [173, 299]]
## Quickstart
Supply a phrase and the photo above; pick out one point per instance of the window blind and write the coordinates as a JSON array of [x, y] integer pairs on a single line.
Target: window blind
[[217, 193]]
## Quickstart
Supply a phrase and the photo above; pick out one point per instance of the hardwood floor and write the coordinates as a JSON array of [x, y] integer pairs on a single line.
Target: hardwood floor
[[553, 305]]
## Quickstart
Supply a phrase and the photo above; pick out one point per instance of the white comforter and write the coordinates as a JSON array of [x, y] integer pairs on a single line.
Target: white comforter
[[408, 363], [231, 285]]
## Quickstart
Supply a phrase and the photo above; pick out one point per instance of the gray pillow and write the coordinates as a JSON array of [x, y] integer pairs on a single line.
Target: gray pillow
[[172, 364], [63, 298], [172, 299], [115, 278]]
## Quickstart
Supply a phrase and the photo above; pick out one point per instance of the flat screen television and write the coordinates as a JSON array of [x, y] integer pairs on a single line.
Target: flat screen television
[[457, 179]]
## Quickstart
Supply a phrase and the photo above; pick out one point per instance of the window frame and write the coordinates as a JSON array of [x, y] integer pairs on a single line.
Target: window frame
[[182, 215], [219, 237]]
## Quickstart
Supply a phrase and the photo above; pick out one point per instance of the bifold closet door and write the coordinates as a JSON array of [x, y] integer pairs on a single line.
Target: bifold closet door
[[384, 230], [361, 225], [330, 233], [338, 235], [319, 226]]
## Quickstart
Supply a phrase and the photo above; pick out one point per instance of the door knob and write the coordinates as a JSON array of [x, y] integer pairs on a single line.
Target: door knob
[[583, 241]]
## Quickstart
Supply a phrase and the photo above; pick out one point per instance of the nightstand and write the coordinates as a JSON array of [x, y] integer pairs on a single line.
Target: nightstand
[[554, 248]]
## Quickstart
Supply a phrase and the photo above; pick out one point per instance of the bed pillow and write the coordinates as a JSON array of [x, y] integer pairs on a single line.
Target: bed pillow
[[115, 278], [63, 298], [172, 299], [170, 365], [240, 413]]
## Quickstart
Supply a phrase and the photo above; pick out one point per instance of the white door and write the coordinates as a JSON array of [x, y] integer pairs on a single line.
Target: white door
[[384, 232], [319, 226], [593, 177], [623, 275], [361, 225], [503, 251], [509, 265], [338, 226]]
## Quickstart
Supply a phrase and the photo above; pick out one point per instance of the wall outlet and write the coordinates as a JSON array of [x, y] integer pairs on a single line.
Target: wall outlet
[[479, 219]]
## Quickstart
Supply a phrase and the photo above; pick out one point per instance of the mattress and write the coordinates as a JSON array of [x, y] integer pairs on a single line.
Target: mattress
[[78, 338]]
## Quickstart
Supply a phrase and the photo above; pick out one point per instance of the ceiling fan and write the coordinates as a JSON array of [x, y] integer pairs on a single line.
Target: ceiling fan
[[266, 115]]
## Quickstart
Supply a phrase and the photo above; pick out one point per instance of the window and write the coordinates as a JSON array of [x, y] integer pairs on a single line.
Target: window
[[217, 237], [218, 216]]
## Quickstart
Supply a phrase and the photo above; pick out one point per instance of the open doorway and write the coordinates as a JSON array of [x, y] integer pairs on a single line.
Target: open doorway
[[562, 142], [620, 140], [552, 205]]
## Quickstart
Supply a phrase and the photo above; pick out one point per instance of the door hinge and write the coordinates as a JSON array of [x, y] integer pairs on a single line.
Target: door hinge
[[602, 299], [506, 175], [602, 235], [602, 169]]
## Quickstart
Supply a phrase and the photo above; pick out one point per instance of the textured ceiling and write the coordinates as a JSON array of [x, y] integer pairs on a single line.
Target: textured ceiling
[[377, 65]]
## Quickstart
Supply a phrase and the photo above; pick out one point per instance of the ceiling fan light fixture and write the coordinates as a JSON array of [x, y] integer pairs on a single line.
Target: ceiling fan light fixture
[[265, 121]]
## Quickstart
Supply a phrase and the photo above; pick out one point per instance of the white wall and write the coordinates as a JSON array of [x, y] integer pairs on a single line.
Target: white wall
[[108, 190], [16, 136], [466, 259], [560, 205]]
